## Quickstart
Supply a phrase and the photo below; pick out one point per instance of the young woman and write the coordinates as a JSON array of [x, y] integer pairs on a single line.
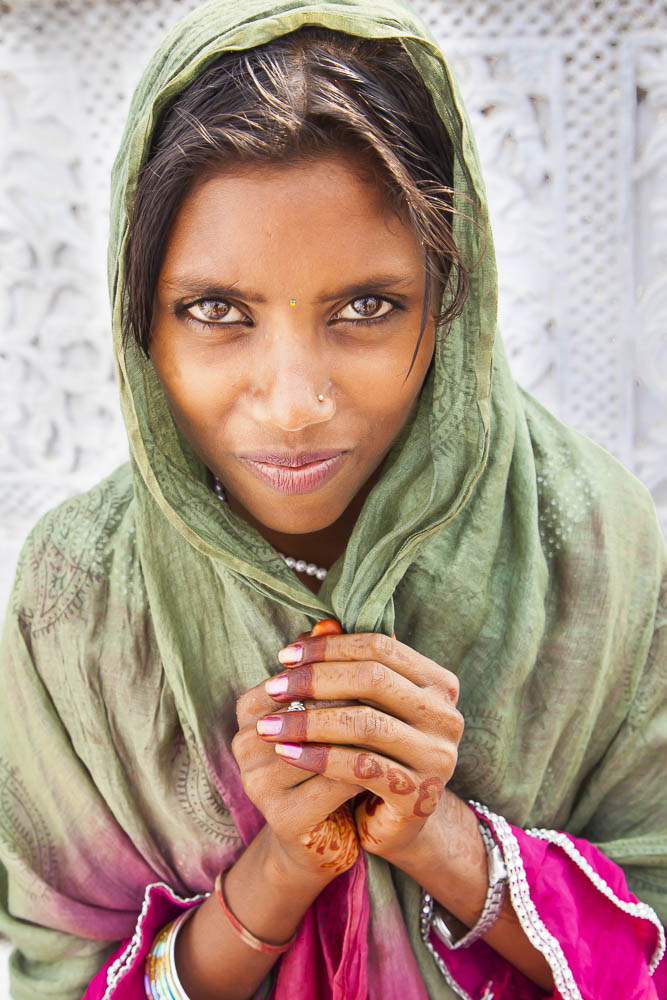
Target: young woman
[[237, 672]]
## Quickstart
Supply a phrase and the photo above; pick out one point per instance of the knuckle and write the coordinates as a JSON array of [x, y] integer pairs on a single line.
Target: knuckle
[[380, 644], [374, 676], [447, 758], [449, 684], [242, 706], [245, 746], [458, 723], [367, 724]]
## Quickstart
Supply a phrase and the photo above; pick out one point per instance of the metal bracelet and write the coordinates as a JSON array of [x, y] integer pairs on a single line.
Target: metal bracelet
[[432, 920]]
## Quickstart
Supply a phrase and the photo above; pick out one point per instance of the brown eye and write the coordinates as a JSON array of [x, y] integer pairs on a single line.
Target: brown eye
[[365, 307], [215, 311]]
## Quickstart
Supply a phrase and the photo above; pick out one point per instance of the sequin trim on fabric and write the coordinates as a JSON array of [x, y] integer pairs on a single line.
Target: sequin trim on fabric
[[641, 910], [524, 907], [124, 962]]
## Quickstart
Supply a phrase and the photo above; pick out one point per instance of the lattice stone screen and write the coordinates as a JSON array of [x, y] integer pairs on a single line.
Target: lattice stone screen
[[569, 103]]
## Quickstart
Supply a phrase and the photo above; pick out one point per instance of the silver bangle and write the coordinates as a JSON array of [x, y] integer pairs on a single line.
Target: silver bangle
[[430, 920]]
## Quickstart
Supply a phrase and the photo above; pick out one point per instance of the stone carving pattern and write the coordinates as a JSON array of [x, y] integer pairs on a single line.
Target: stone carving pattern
[[649, 325], [552, 98]]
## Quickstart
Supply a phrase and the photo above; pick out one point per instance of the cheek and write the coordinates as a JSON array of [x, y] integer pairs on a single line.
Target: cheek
[[195, 390]]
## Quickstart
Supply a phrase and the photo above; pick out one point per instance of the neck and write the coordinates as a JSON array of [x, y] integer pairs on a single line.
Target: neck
[[321, 547]]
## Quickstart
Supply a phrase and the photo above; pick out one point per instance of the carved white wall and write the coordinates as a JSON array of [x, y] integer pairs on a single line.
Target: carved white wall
[[569, 105]]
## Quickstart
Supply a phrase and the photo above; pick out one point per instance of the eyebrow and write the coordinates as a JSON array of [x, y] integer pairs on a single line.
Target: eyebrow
[[195, 285]]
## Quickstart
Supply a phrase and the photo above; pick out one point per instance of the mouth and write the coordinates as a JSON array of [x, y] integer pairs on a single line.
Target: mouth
[[294, 474]]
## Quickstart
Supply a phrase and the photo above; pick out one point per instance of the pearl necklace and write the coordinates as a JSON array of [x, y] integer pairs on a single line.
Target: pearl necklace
[[300, 565]]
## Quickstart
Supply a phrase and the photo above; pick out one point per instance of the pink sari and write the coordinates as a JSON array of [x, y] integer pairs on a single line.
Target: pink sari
[[573, 903]]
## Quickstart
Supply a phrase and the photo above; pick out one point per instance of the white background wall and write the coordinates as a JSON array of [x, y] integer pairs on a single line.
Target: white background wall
[[569, 104]]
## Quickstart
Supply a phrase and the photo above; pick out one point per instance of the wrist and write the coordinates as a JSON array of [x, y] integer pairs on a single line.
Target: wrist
[[283, 868], [448, 859]]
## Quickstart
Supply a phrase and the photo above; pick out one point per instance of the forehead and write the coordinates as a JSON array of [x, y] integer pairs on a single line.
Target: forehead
[[305, 216]]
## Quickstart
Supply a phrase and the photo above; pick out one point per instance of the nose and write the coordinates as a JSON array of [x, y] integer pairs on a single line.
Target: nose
[[287, 385]]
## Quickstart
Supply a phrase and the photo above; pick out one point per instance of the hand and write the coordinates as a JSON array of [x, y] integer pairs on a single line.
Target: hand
[[310, 822], [399, 742]]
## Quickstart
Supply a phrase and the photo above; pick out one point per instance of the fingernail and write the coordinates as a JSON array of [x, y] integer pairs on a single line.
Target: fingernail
[[291, 750], [277, 685], [290, 655], [270, 726]]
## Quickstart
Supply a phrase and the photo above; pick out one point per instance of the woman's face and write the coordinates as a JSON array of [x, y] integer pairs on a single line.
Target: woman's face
[[279, 284]]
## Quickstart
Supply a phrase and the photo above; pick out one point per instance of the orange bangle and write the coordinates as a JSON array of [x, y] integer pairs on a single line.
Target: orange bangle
[[246, 936]]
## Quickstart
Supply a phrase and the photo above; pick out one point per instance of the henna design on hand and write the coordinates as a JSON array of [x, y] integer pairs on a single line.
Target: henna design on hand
[[335, 840], [371, 803], [400, 783], [366, 766], [300, 684], [430, 791], [314, 757], [367, 808]]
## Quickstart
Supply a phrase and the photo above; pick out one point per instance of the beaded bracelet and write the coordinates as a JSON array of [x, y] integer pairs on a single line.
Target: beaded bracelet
[[161, 980], [247, 936]]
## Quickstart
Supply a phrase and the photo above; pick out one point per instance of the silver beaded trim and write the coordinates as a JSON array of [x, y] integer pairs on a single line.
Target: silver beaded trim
[[533, 926], [641, 910], [300, 565], [122, 965]]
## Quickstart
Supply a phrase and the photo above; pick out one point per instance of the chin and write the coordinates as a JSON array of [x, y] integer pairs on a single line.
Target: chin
[[282, 516]]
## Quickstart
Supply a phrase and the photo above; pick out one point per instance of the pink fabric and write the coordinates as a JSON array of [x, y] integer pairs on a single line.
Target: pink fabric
[[163, 906], [607, 951], [328, 960], [307, 971]]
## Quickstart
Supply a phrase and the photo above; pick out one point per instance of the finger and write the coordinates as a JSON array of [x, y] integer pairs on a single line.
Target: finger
[[408, 792], [372, 646], [372, 683], [262, 773], [253, 704], [359, 725], [318, 794]]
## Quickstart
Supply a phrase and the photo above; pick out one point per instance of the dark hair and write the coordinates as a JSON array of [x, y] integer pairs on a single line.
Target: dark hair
[[292, 99]]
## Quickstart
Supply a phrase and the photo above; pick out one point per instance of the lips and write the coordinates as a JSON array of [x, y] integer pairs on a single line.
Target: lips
[[293, 474], [290, 460]]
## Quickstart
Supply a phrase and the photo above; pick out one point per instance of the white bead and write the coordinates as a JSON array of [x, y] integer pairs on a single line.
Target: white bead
[[311, 569], [290, 561], [321, 573], [300, 565]]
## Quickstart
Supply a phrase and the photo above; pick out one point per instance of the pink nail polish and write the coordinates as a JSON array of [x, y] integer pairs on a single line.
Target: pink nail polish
[[269, 726], [277, 685], [290, 655], [291, 750]]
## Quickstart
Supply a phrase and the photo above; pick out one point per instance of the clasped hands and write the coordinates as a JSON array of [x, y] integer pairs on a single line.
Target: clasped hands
[[366, 764]]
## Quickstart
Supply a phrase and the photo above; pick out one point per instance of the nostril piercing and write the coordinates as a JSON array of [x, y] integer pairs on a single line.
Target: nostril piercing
[[320, 397]]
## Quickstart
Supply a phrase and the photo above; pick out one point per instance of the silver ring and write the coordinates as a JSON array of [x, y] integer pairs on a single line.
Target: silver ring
[[296, 706]]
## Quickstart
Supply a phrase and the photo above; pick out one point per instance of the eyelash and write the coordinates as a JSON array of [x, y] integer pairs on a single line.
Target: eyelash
[[182, 312]]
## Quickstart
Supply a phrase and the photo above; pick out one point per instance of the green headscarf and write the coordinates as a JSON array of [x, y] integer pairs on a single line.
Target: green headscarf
[[497, 542]]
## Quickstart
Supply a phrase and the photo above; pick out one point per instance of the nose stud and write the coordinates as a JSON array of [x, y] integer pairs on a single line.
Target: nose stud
[[320, 397]]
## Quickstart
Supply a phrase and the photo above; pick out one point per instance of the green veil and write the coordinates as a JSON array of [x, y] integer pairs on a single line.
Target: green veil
[[497, 542]]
